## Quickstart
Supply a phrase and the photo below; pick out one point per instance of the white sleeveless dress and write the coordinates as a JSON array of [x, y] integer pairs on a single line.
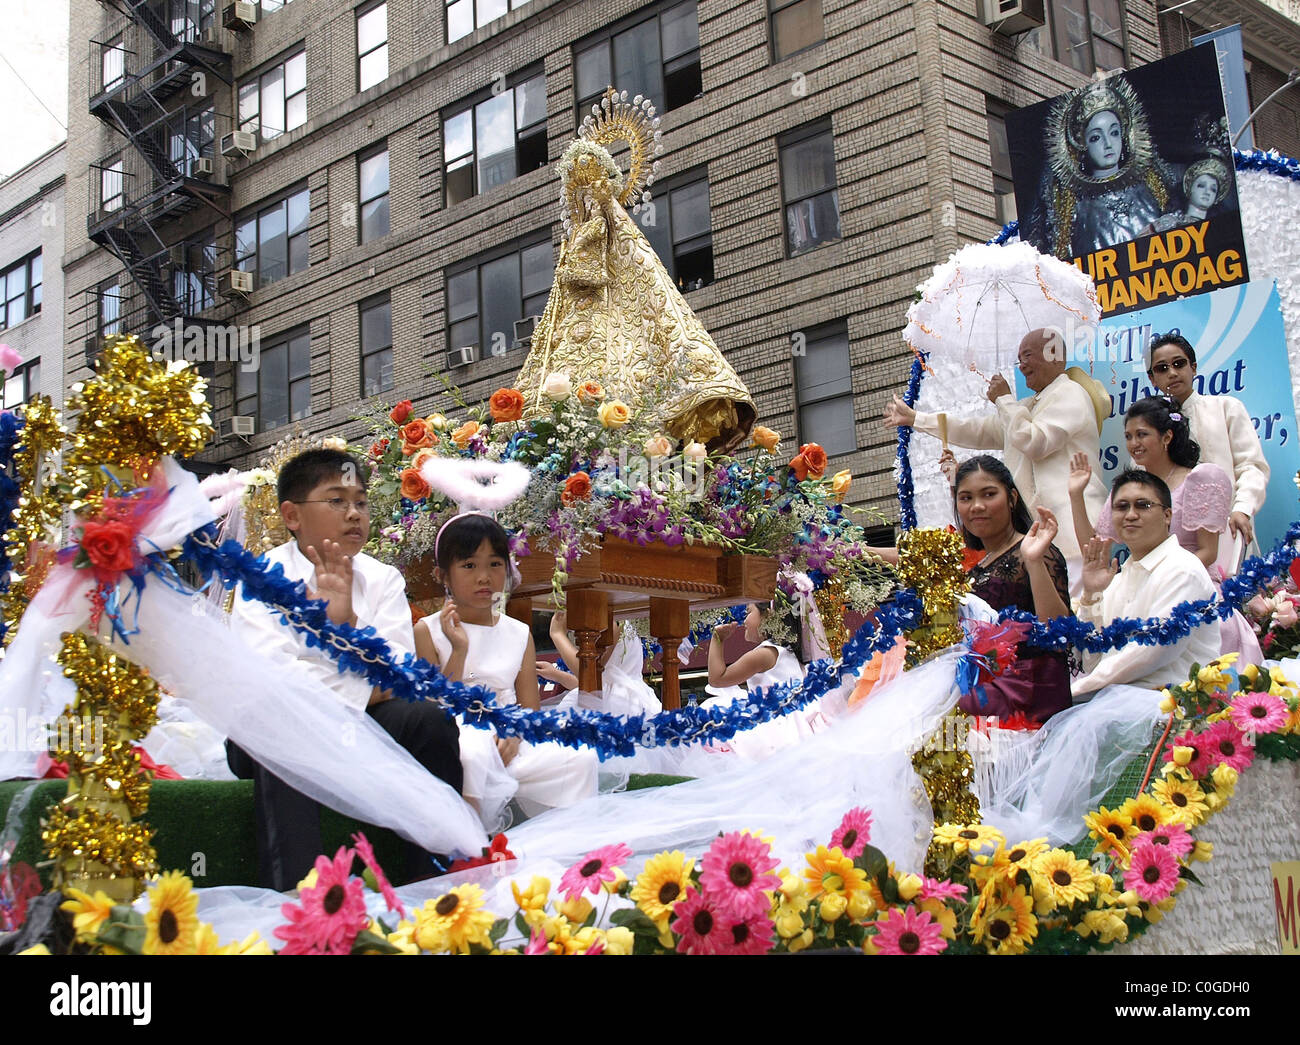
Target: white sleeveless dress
[[766, 739], [540, 776]]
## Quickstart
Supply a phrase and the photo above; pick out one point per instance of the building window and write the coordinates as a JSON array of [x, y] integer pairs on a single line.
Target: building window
[[278, 390], [376, 346], [494, 138], [275, 101], [109, 306], [658, 57], [677, 224], [796, 25], [112, 185], [486, 299], [23, 383], [189, 18], [192, 136], [373, 185], [1087, 35], [21, 284], [372, 45], [269, 6], [812, 203], [194, 278], [273, 242], [1004, 189], [824, 388], [464, 16], [112, 64]]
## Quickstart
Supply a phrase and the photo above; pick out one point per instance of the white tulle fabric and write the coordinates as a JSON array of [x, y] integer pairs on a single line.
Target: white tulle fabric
[[1041, 784], [295, 727], [1269, 206]]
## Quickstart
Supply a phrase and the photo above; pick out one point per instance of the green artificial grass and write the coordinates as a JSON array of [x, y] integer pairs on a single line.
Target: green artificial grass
[[206, 828]]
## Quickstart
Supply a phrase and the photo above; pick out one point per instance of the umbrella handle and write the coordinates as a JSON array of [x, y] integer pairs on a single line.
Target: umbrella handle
[[943, 429]]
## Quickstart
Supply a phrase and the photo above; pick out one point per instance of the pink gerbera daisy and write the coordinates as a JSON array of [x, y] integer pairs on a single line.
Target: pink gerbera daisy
[[908, 932], [735, 871], [940, 889], [1152, 872], [537, 942], [854, 832], [1172, 836], [367, 854], [700, 928], [1224, 744], [1258, 713], [329, 915], [596, 867], [751, 935], [1200, 764]]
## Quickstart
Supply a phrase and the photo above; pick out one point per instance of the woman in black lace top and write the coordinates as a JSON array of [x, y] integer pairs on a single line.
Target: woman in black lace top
[[1021, 568]]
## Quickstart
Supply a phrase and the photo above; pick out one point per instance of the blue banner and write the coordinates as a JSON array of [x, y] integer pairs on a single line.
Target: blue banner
[[1241, 351]]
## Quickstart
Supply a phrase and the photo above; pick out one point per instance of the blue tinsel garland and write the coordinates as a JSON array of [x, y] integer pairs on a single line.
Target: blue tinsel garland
[[906, 505], [10, 427]]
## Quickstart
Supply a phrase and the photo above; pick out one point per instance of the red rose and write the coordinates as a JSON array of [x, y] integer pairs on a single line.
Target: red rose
[[815, 458], [506, 404], [577, 488], [110, 546], [401, 412]]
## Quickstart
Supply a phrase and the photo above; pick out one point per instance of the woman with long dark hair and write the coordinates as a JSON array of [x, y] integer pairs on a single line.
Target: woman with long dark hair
[[1021, 567]]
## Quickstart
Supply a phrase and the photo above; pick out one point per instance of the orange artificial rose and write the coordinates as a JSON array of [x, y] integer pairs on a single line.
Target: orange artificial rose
[[416, 435], [465, 433], [377, 449], [766, 438], [841, 483], [577, 488], [810, 461], [614, 414], [401, 412], [421, 456], [414, 488], [506, 404], [590, 392]]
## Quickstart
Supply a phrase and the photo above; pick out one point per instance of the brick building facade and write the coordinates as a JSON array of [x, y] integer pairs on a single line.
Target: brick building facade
[[401, 200]]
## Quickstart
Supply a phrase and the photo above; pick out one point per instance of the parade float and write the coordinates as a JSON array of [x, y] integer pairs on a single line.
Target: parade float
[[881, 848]]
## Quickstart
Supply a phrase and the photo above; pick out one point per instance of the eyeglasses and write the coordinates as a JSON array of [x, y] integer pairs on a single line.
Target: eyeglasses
[[1142, 505], [1164, 368], [341, 505]]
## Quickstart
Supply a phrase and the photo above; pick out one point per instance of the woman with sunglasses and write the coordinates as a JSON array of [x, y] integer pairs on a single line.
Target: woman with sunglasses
[[1156, 435], [1219, 423]]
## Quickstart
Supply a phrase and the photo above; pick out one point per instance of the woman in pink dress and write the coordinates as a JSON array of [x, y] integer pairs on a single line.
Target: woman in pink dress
[[1158, 439]]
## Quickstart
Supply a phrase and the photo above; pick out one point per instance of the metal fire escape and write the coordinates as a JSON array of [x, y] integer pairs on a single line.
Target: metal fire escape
[[152, 81]]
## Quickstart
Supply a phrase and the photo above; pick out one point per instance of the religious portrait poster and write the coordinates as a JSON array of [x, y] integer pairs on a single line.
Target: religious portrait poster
[[1131, 178], [1240, 344]]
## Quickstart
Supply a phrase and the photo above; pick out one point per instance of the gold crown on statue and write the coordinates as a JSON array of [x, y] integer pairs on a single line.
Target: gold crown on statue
[[587, 161]]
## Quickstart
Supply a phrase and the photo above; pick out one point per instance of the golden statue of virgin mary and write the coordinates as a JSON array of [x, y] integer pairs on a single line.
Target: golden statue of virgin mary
[[614, 315]]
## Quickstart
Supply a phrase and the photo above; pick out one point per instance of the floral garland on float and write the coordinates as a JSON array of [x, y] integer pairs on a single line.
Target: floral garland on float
[[599, 470], [987, 895]]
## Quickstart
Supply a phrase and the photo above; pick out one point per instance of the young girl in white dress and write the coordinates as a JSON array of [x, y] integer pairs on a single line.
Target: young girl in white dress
[[472, 641]]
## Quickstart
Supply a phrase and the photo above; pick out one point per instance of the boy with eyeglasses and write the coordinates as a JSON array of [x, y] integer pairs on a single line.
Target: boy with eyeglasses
[[323, 504], [1158, 575], [1219, 424]]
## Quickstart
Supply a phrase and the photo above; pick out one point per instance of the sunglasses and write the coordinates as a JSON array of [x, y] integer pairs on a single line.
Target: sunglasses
[[1164, 368]]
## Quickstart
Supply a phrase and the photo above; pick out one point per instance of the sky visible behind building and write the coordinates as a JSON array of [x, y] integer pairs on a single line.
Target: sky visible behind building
[[33, 80]]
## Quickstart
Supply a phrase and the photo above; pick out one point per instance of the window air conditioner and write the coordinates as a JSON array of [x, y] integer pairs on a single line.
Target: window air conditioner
[[239, 16], [241, 425], [202, 167], [235, 282], [1010, 17], [458, 357], [238, 143], [524, 331]]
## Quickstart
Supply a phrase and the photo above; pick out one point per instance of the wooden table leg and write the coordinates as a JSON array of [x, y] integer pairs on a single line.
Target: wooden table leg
[[521, 609], [588, 614], [670, 622]]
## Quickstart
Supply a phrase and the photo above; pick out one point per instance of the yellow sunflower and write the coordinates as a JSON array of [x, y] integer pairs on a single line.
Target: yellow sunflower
[[1060, 880], [88, 912], [453, 921], [1110, 827], [1109, 926], [206, 942], [830, 871], [172, 921], [1145, 812], [967, 838], [1007, 862], [662, 883], [1008, 927], [1182, 798]]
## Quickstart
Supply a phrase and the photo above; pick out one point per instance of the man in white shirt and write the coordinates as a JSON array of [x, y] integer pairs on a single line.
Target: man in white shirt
[[1037, 435], [323, 504], [1219, 424], [1158, 575]]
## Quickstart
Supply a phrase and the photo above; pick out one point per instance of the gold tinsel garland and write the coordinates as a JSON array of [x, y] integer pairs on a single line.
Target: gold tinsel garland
[[91, 837], [832, 605], [39, 514], [930, 562]]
